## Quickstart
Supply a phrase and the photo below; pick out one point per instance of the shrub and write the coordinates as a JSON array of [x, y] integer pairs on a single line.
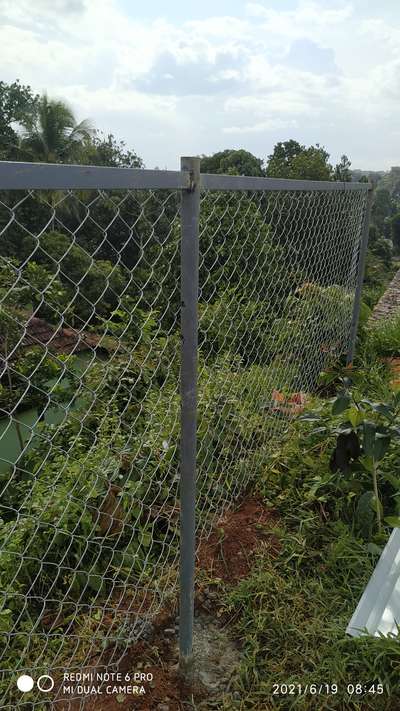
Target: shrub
[[384, 336]]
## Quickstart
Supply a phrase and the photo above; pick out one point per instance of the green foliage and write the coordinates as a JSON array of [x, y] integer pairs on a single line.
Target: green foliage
[[313, 315], [51, 133], [290, 614], [378, 273], [363, 439], [122, 421], [64, 265], [293, 608], [290, 159], [130, 323], [108, 151], [231, 256], [232, 162], [17, 105], [383, 248], [384, 337], [45, 293], [379, 267], [382, 208], [236, 324], [395, 230], [342, 170]]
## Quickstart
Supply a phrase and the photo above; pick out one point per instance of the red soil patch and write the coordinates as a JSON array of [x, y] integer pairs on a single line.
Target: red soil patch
[[58, 340], [226, 554], [158, 657], [228, 551], [393, 363], [394, 367]]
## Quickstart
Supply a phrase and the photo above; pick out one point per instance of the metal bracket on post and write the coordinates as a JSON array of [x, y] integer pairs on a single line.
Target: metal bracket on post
[[190, 212], [360, 278]]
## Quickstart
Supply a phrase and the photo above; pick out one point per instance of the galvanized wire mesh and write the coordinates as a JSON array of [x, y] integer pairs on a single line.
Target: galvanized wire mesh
[[278, 273], [89, 393], [89, 402]]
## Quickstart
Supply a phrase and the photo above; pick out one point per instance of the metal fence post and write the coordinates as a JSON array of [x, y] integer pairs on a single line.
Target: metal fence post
[[360, 278], [190, 211]]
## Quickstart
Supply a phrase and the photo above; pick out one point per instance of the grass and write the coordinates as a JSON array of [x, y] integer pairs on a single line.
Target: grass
[[384, 337], [291, 613]]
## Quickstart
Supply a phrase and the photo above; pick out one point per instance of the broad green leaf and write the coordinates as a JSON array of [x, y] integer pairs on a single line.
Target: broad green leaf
[[375, 503], [343, 429], [368, 463], [366, 401], [393, 521], [146, 540], [355, 416], [381, 446], [364, 514], [393, 480], [341, 403], [327, 377], [309, 417], [369, 430], [384, 410]]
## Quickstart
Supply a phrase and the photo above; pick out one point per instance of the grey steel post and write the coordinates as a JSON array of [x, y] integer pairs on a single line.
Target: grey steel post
[[360, 278], [190, 211]]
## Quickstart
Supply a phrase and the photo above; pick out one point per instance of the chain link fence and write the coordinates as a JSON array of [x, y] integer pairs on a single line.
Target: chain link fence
[[278, 273], [91, 435]]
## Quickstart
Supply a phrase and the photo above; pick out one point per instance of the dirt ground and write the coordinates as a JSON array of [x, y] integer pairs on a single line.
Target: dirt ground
[[228, 551], [226, 556], [394, 365]]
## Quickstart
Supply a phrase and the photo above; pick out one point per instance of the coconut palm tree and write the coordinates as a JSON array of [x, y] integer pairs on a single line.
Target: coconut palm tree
[[53, 135]]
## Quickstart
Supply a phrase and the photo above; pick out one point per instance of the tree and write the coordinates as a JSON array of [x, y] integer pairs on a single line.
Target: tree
[[232, 162], [395, 225], [342, 170], [106, 150], [292, 160], [383, 248], [373, 234], [52, 134], [74, 284], [382, 208], [17, 105]]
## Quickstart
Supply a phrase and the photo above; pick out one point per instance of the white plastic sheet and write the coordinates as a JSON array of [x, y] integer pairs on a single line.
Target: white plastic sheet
[[379, 608]]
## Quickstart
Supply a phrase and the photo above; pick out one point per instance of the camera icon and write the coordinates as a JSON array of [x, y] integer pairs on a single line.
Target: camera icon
[[45, 683]]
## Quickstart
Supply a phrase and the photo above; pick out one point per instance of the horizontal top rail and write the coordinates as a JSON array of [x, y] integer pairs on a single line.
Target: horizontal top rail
[[215, 181], [16, 175], [59, 176]]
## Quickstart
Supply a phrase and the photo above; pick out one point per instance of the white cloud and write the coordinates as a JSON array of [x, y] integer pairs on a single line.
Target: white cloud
[[262, 126], [171, 87], [307, 18]]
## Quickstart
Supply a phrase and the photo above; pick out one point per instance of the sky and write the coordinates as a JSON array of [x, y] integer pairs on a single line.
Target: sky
[[174, 78]]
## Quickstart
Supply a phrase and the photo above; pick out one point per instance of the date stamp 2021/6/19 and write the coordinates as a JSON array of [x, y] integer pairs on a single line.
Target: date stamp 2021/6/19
[[327, 689]]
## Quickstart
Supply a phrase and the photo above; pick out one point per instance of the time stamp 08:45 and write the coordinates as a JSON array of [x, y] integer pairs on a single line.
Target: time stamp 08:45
[[357, 689]]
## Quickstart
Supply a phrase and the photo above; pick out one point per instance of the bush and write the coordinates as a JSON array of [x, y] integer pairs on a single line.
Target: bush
[[313, 329], [384, 336], [236, 325]]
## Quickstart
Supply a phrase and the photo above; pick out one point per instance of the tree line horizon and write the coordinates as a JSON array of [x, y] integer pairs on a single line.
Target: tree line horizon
[[35, 127]]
